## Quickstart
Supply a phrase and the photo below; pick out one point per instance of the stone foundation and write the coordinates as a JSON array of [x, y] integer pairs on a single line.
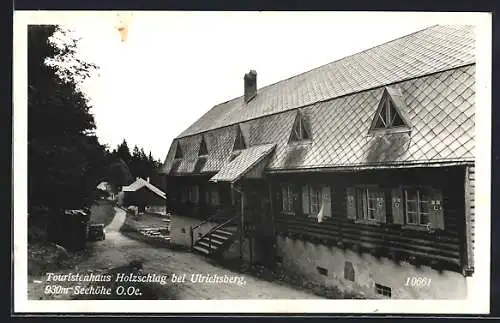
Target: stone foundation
[[365, 274]]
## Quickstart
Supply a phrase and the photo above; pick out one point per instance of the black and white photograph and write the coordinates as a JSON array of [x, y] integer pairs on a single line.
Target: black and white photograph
[[252, 161]]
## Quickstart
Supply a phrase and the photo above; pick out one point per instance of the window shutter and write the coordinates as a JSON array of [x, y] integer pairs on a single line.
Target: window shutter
[[184, 195], [278, 199], [296, 196], [217, 198], [351, 203], [196, 194], [397, 206], [436, 211], [283, 197], [305, 199], [326, 200], [381, 212]]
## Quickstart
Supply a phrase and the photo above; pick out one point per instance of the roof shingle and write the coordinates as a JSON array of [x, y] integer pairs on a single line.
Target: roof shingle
[[243, 163], [434, 84], [428, 51]]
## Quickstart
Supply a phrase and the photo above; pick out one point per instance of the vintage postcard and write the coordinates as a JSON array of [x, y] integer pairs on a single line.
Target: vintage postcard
[[252, 162]]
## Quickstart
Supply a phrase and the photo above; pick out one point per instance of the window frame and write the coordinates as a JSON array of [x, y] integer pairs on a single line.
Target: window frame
[[313, 189], [191, 194], [210, 192], [387, 119], [359, 201], [418, 225], [203, 153], [301, 133], [288, 188]]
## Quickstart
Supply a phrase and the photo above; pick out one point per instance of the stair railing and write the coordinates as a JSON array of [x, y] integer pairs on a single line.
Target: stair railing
[[209, 233], [192, 229]]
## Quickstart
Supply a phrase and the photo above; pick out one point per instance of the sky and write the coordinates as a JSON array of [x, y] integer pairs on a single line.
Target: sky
[[175, 66]]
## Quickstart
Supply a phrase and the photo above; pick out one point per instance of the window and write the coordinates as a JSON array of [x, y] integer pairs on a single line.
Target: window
[[370, 200], [203, 151], [366, 204], [287, 197], [178, 151], [301, 130], [175, 166], [212, 196], [383, 290], [185, 194], [193, 194], [417, 207], [389, 114], [239, 141], [311, 199]]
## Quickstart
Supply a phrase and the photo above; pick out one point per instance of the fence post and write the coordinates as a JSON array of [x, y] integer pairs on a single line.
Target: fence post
[[210, 243], [191, 236]]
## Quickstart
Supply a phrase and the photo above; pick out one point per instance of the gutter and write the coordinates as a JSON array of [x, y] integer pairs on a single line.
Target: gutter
[[366, 167]]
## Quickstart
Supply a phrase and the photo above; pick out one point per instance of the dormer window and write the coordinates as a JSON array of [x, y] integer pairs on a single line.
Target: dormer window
[[390, 114], [239, 141], [203, 151], [301, 130], [178, 151]]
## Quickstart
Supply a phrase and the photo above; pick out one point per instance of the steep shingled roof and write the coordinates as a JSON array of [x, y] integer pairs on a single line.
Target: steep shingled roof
[[428, 51], [140, 183], [438, 106]]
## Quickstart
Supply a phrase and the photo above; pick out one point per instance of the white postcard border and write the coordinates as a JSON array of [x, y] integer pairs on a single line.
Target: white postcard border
[[478, 301]]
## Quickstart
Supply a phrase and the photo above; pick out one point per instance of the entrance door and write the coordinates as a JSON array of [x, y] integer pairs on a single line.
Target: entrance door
[[258, 221]]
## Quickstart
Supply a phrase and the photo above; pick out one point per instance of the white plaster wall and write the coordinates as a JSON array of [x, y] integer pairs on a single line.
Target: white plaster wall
[[303, 257], [178, 223], [233, 252]]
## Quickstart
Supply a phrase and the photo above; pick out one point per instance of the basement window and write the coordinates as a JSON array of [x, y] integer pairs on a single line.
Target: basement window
[[383, 290], [348, 271], [322, 271]]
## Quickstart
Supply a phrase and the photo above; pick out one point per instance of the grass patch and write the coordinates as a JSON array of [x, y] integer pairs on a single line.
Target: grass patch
[[44, 257], [282, 276]]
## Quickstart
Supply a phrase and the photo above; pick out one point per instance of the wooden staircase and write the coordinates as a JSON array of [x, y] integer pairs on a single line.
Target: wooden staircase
[[216, 240]]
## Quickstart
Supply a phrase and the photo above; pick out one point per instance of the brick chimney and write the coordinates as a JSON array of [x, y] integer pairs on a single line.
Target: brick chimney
[[250, 85]]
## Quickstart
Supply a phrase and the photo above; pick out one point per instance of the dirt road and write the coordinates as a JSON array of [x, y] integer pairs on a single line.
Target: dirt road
[[117, 250]]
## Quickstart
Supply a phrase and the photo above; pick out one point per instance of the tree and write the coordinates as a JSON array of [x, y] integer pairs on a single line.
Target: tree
[[119, 174], [64, 156], [123, 152]]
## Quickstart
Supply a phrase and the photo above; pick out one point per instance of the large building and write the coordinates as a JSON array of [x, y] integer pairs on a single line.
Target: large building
[[357, 174]]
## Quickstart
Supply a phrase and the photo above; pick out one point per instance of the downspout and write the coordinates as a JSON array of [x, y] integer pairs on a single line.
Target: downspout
[[241, 217]]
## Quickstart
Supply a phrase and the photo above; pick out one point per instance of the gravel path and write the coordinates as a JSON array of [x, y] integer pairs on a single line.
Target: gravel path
[[118, 250]]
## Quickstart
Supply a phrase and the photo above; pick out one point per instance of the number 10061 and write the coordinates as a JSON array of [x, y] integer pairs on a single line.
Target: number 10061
[[418, 282]]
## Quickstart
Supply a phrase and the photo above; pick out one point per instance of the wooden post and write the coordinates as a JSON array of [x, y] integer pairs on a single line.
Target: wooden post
[[210, 243], [271, 209], [191, 236], [242, 222], [468, 254]]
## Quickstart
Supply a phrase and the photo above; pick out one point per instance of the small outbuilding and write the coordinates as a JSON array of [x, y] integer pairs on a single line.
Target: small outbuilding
[[145, 196]]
